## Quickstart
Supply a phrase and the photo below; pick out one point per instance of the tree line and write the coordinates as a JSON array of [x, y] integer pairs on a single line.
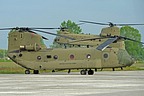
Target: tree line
[[3, 53]]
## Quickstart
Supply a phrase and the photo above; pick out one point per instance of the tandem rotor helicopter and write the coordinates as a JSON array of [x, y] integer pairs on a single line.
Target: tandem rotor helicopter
[[27, 49]]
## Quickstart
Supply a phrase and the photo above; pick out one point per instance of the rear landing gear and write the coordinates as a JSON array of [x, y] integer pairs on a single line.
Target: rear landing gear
[[84, 72], [34, 71]]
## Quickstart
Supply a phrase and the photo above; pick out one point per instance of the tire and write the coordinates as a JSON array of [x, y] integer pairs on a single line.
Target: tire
[[90, 72], [27, 71], [83, 72], [35, 71]]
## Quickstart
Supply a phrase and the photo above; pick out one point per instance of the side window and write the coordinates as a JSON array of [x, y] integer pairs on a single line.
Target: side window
[[72, 57], [88, 56]]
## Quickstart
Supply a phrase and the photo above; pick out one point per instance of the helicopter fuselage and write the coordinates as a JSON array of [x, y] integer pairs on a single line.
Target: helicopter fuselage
[[71, 58]]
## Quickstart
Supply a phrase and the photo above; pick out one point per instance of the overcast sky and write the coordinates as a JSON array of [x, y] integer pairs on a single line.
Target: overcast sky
[[50, 13]]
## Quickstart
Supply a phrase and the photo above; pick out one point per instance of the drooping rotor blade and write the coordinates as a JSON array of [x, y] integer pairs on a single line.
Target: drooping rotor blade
[[44, 38], [102, 46], [53, 34]]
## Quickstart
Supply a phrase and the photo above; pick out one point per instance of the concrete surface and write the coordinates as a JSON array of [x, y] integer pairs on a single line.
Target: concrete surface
[[118, 83]]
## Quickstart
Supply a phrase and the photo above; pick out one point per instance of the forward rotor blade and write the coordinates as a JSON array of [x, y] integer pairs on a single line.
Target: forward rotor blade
[[102, 46], [53, 34], [31, 28]]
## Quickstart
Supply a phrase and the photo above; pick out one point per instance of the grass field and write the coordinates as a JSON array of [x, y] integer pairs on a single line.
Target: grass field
[[12, 68]]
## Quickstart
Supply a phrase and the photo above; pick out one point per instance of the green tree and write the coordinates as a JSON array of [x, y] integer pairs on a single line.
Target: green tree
[[135, 49], [3, 53], [72, 27]]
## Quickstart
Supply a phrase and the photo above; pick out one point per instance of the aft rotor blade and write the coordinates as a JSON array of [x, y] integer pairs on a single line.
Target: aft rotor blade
[[111, 24], [53, 34], [102, 46]]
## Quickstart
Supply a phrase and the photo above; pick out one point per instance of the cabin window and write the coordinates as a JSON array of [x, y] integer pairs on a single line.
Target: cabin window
[[49, 56], [42, 42], [71, 56], [55, 57], [88, 56], [38, 57]]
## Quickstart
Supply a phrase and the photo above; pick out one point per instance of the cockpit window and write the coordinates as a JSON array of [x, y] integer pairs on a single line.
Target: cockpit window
[[42, 42]]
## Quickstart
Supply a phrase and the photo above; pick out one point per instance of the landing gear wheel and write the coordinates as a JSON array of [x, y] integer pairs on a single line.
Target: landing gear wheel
[[83, 72], [90, 72], [27, 71], [35, 71]]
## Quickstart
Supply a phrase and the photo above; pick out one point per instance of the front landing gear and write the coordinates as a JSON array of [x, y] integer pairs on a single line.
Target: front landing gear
[[84, 72], [34, 71], [27, 71]]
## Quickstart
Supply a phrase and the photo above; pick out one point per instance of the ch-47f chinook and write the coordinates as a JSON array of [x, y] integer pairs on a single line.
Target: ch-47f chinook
[[27, 49]]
